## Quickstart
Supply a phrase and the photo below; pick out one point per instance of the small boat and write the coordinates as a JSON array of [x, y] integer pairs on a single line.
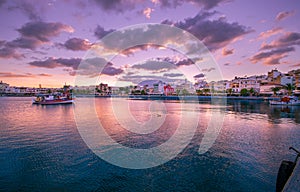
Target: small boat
[[55, 98], [52, 100], [286, 100]]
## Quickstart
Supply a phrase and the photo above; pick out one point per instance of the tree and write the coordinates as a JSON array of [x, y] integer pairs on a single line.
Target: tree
[[275, 90], [244, 92], [143, 92], [229, 91], [289, 87], [199, 92], [251, 91], [185, 92], [206, 91]]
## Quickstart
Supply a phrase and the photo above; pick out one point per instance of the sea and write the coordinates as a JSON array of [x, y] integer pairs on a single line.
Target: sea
[[121, 144]]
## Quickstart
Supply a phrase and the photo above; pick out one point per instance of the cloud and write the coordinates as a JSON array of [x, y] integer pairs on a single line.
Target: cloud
[[8, 52], [121, 6], [110, 70], [226, 64], [155, 65], [272, 57], [269, 33], [77, 44], [209, 69], [2, 2], [93, 67], [57, 62], [200, 75], [214, 33], [173, 75], [26, 75], [206, 4], [100, 32], [288, 39], [296, 65], [117, 5], [226, 52], [283, 15], [43, 30], [147, 12], [25, 43]]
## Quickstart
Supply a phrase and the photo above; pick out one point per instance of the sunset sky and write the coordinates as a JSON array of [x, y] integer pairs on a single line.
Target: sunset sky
[[44, 42]]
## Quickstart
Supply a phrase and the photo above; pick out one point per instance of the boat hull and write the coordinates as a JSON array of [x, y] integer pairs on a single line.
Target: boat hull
[[54, 102]]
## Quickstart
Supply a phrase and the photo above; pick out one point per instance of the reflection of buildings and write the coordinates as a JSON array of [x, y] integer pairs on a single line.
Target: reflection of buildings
[[274, 113]]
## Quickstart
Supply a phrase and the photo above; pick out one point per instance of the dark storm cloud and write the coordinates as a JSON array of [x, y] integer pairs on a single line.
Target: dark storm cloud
[[77, 44], [100, 32], [57, 62], [272, 57], [43, 30]]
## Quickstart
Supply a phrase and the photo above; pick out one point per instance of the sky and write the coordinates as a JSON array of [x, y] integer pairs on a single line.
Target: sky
[[122, 42]]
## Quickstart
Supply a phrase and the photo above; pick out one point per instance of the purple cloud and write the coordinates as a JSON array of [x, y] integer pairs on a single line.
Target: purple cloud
[[288, 39], [9, 52], [16, 75], [272, 57], [283, 15], [25, 43], [214, 33], [100, 32], [77, 44], [57, 62], [43, 31], [173, 75], [226, 52], [200, 75]]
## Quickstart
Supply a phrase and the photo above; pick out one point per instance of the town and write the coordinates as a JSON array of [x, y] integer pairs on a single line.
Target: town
[[271, 84]]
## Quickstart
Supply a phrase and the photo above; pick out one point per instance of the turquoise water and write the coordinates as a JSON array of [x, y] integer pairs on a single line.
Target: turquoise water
[[41, 148]]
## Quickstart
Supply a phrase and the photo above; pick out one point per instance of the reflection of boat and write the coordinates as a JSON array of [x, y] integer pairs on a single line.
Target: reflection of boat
[[52, 100], [287, 100], [57, 98]]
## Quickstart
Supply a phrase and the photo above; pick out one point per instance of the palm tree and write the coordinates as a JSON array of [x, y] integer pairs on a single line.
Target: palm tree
[[229, 91], [289, 87], [275, 90], [251, 91]]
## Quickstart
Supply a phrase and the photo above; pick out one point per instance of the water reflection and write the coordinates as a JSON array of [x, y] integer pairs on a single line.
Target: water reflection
[[275, 113]]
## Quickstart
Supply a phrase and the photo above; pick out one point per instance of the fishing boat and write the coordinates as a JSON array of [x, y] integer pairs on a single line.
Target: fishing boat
[[286, 100], [52, 100], [55, 98]]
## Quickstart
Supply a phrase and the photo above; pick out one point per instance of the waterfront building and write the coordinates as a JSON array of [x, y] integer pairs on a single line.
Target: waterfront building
[[168, 90], [3, 87]]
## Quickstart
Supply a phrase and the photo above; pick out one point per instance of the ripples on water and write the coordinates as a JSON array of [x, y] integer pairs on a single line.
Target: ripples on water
[[41, 149]]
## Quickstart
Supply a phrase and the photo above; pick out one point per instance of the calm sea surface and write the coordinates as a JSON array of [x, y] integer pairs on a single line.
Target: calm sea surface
[[41, 148]]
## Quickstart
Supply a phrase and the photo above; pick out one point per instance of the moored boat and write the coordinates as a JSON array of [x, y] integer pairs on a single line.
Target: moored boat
[[286, 100], [55, 98]]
